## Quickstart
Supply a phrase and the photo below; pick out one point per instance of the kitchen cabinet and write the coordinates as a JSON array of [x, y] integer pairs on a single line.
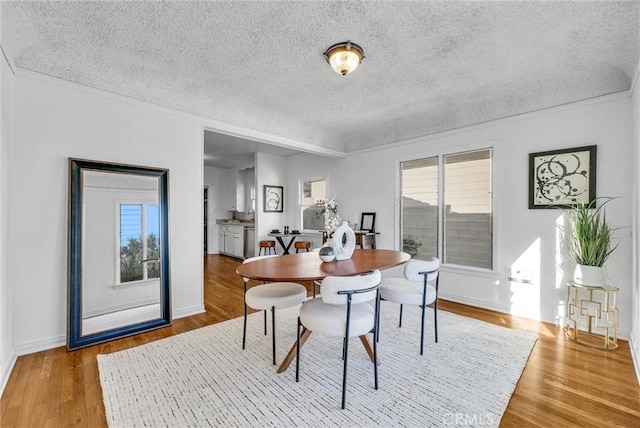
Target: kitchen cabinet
[[231, 240], [238, 189]]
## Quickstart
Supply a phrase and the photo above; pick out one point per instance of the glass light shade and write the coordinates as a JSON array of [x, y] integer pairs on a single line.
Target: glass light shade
[[344, 57]]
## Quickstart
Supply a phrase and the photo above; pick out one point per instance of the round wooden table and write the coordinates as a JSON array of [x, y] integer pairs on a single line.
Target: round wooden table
[[309, 267]]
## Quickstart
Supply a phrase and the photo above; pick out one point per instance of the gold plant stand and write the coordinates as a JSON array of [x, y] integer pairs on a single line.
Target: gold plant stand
[[592, 308]]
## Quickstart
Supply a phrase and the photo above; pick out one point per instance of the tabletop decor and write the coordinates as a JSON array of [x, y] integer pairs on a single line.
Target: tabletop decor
[[344, 233], [589, 243], [329, 210], [562, 178]]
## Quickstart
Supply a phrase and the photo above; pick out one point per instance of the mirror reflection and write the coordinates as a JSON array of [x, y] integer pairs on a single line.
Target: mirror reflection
[[118, 252], [121, 253]]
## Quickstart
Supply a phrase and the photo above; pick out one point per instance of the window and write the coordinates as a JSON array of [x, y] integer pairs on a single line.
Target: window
[[312, 191], [139, 230], [446, 208]]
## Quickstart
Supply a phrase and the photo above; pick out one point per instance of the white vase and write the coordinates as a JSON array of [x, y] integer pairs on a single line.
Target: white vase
[[344, 251], [590, 275]]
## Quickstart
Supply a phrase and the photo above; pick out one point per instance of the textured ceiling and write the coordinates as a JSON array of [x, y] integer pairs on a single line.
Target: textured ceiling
[[429, 67]]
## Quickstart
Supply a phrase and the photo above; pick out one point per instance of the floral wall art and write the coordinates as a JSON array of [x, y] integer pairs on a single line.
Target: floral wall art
[[562, 178]]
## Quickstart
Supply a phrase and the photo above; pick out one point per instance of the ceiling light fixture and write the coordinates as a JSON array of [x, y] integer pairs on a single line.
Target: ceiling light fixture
[[344, 57]]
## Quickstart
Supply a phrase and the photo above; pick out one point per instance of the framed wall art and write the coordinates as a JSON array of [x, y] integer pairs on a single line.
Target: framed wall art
[[368, 222], [562, 178], [273, 199]]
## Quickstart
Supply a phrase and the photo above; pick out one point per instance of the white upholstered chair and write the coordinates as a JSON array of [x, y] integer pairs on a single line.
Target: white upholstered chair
[[349, 307], [419, 287], [270, 296]]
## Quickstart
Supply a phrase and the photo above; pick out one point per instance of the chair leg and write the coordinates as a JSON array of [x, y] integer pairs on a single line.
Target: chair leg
[[244, 328], [400, 322], [298, 352], [273, 332], [265, 322], [422, 332], [375, 360], [435, 318], [344, 373]]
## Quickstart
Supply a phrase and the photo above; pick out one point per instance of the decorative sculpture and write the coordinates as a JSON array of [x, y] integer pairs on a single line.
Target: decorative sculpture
[[344, 251]]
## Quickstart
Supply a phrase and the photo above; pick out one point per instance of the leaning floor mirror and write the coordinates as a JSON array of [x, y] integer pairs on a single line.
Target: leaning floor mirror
[[118, 251]]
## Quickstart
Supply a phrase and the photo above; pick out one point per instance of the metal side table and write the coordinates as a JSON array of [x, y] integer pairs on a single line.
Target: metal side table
[[593, 308]]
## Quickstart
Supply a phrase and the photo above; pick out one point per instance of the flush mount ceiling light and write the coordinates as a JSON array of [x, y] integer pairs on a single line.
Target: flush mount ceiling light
[[344, 57]]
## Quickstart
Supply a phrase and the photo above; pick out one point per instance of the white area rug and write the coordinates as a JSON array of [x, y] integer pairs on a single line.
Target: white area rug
[[204, 378]]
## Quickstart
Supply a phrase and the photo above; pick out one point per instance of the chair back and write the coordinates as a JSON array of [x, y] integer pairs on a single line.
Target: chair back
[[413, 268], [331, 285]]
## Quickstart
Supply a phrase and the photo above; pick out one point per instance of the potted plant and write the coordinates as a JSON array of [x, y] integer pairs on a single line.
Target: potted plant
[[589, 244]]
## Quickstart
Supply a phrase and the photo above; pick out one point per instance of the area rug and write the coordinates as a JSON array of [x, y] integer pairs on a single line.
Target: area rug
[[204, 378]]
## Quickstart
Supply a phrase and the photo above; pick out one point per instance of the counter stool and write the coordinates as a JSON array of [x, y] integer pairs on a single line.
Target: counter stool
[[302, 245], [268, 246]]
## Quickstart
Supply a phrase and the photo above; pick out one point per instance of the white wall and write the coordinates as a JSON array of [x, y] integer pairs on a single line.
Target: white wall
[[7, 354], [367, 181], [270, 170], [635, 314], [216, 179], [55, 120]]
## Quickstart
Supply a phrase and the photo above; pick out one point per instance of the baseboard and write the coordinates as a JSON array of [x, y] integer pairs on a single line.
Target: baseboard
[[548, 318], [635, 357], [6, 372], [186, 312], [41, 345]]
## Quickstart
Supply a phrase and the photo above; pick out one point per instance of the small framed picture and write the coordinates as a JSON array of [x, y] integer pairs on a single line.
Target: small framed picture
[[273, 199], [562, 178], [368, 222]]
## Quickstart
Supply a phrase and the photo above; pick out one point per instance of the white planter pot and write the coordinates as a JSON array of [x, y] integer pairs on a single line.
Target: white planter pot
[[590, 275]]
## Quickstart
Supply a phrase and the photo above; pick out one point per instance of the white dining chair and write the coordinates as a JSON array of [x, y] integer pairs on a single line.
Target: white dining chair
[[270, 296], [348, 307], [419, 287]]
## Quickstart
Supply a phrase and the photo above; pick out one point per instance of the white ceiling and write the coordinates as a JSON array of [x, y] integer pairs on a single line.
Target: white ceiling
[[429, 67], [225, 151]]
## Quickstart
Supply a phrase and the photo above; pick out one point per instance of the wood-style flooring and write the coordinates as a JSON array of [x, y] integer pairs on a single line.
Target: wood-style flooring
[[563, 385]]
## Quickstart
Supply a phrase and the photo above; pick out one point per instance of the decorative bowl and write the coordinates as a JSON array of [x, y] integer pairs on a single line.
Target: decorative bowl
[[327, 254]]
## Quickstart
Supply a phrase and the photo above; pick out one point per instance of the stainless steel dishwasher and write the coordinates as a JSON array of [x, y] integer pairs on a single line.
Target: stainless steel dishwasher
[[249, 242]]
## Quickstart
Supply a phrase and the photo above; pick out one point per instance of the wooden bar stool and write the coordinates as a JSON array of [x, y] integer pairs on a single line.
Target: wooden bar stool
[[268, 246], [302, 245]]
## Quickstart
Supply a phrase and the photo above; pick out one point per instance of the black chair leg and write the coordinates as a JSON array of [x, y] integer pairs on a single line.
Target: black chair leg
[[435, 318], [244, 328], [344, 373], [273, 332], [265, 322], [375, 360], [298, 352], [422, 332], [400, 322]]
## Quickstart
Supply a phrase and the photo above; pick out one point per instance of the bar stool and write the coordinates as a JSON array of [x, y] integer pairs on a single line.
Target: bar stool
[[302, 245], [268, 246]]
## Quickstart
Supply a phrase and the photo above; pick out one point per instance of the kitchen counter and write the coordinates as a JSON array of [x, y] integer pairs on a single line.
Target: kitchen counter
[[248, 224]]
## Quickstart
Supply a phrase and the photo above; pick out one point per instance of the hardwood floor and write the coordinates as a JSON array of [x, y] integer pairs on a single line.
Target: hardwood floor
[[563, 385]]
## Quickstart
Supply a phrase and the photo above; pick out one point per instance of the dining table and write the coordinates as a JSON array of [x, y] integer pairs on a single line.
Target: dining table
[[280, 237], [309, 267]]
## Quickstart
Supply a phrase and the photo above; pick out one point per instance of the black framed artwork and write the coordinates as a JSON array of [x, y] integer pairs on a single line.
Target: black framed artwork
[[368, 222], [562, 178], [273, 199]]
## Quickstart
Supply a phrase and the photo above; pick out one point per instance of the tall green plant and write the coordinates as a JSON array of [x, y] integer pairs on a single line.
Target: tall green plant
[[590, 241]]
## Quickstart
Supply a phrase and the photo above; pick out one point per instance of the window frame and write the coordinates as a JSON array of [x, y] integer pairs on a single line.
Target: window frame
[[495, 189], [145, 280]]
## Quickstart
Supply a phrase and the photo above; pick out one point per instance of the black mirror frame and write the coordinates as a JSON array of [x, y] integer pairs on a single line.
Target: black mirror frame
[[74, 297]]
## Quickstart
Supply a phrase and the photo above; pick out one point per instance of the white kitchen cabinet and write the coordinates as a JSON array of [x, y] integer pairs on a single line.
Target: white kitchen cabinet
[[238, 242], [222, 231]]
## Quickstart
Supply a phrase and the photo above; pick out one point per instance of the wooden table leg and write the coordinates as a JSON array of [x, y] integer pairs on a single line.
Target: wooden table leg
[[292, 352], [367, 346]]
